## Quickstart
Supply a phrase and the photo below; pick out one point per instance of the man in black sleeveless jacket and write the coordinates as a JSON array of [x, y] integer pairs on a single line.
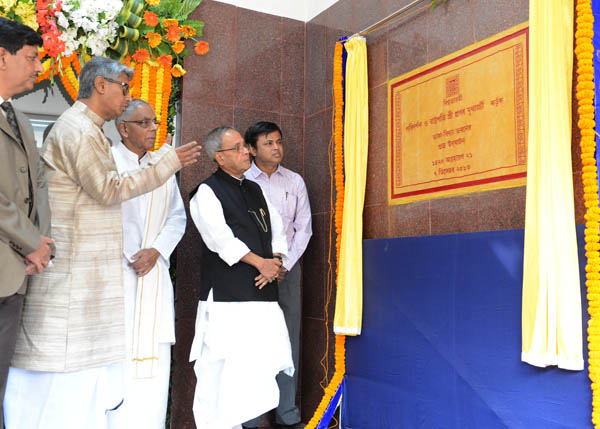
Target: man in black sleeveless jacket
[[241, 339]]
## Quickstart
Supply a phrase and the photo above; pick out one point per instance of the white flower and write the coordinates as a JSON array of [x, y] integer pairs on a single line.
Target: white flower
[[71, 42], [95, 19], [96, 44], [67, 6], [62, 20]]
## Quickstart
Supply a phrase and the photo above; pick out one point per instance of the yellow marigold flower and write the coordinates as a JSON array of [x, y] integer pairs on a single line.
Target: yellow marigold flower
[[188, 31], [201, 47], [7, 5], [24, 10], [169, 23], [153, 2], [154, 39], [151, 19], [165, 60], [173, 34], [178, 71], [141, 55], [31, 22], [178, 47]]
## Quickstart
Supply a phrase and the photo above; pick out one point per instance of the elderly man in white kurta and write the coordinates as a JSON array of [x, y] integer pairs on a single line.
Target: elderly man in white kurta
[[67, 368], [153, 224], [241, 341]]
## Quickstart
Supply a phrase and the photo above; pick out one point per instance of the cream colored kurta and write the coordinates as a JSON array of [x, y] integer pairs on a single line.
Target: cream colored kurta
[[73, 317]]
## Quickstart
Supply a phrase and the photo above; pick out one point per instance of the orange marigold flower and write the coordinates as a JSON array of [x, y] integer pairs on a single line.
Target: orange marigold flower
[[178, 71], [169, 22], [153, 2], [173, 34], [201, 48], [150, 18], [154, 39], [187, 31], [165, 60], [141, 55], [178, 47]]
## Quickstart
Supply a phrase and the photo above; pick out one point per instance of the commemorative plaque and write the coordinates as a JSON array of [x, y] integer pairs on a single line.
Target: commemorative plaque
[[459, 125]]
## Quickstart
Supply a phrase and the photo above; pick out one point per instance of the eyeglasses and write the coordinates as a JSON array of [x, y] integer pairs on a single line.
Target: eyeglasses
[[237, 147], [145, 123], [124, 85]]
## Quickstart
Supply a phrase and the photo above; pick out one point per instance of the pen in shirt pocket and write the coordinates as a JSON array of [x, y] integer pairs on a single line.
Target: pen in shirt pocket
[[286, 194]]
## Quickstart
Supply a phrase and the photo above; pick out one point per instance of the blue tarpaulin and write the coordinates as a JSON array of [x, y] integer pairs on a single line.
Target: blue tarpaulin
[[441, 341]]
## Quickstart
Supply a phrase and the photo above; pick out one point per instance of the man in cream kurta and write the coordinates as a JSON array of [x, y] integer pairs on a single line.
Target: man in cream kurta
[[153, 224], [71, 341]]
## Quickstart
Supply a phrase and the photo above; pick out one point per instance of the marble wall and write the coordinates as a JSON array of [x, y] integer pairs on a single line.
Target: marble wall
[[263, 67]]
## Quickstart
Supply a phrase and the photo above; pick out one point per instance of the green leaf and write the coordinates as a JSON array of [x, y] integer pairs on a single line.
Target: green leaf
[[189, 6], [163, 49], [434, 4]]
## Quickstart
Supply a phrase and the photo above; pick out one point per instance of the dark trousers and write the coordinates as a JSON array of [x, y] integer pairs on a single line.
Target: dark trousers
[[290, 297], [11, 308]]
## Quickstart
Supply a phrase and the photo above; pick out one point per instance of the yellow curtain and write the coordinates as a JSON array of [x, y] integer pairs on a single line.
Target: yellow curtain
[[551, 318], [348, 306]]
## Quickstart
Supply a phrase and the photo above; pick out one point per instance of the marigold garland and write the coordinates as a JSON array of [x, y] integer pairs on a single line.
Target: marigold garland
[[136, 87], [158, 105], [77, 64], [68, 77], [47, 65], [145, 81], [584, 50], [154, 89], [166, 93], [340, 340]]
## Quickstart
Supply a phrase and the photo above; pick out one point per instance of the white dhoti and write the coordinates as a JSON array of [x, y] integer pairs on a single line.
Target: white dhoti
[[153, 220], [145, 399], [239, 348], [62, 400]]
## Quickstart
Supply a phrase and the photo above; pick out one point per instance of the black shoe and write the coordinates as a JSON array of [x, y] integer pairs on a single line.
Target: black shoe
[[294, 426]]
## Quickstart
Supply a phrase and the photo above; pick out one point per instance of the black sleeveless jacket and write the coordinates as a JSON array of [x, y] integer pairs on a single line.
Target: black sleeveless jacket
[[247, 215]]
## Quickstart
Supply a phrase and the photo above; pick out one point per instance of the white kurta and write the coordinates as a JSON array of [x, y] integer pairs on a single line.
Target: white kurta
[[239, 347], [145, 399]]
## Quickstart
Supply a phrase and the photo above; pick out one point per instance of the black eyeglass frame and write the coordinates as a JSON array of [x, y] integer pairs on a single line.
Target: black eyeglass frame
[[124, 85], [236, 147], [147, 122]]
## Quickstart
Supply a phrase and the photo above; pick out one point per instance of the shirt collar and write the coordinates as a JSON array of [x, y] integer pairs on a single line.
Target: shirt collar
[[132, 156], [82, 107], [254, 171]]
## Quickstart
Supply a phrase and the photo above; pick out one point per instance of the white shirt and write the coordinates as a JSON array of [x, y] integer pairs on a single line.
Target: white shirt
[[287, 191], [135, 209], [207, 213], [2, 100]]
